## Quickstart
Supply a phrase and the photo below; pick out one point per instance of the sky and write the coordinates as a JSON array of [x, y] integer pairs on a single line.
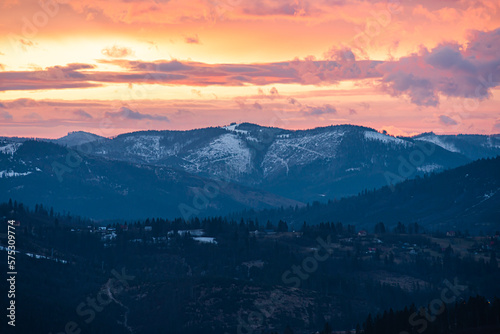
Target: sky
[[115, 66]]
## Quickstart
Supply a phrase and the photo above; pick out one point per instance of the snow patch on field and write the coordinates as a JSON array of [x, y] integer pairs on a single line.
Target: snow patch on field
[[206, 240]]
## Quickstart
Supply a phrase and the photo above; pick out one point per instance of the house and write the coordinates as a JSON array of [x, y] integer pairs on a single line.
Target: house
[[450, 234], [362, 233], [148, 228]]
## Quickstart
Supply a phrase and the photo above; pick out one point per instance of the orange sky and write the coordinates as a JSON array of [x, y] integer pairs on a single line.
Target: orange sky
[[403, 66]]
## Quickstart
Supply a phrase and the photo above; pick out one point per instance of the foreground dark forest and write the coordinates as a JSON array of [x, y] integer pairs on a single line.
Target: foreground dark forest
[[216, 275]]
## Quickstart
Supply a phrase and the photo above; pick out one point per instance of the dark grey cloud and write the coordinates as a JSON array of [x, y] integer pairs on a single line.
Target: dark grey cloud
[[82, 114], [192, 39], [5, 115], [126, 113], [319, 110], [257, 105], [447, 120]]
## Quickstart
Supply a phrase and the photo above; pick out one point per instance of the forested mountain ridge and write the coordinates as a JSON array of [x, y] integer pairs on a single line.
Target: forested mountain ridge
[[303, 165], [100, 188], [464, 198]]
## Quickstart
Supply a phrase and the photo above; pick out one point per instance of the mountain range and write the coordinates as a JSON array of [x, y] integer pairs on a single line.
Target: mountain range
[[221, 169]]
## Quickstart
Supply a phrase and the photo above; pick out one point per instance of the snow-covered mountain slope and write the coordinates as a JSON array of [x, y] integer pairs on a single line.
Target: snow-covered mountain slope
[[9, 148], [300, 149], [439, 141], [472, 146], [305, 165], [225, 156]]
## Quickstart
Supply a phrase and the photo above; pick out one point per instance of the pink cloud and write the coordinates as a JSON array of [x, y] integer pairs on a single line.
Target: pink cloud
[[116, 51], [448, 69]]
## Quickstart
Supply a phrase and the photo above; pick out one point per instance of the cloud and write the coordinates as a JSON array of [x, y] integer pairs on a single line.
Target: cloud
[[54, 77], [116, 51], [443, 119], [273, 93], [306, 71], [30, 103], [471, 71], [2, 67], [241, 103], [192, 39], [126, 113], [279, 8], [319, 110], [82, 114], [257, 105], [26, 43], [340, 54], [196, 92], [183, 113], [22, 103], [158, 66], [352, 111], [5, 115], [152, 45], [33, 115], [449, 69], [364, 105], [294, 101]]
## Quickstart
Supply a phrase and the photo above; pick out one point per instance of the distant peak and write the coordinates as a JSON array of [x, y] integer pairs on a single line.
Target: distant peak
[[72, 133], [76, 138], [423, 134]]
